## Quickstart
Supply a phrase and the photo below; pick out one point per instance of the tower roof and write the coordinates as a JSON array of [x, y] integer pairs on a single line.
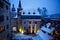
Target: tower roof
[[19, 4], [13, 8]]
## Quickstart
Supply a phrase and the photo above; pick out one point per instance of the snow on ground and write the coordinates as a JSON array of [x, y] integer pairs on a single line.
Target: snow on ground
[[19, 36], [39, 35]]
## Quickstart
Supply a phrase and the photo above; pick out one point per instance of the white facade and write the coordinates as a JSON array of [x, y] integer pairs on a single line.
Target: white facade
[[32, 24]]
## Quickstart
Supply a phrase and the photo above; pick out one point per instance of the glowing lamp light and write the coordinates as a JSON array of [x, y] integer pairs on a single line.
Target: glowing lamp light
[[22, 32]]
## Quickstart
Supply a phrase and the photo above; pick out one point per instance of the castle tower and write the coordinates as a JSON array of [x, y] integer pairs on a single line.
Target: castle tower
[[13, 8], [13, 14], [19, 11]]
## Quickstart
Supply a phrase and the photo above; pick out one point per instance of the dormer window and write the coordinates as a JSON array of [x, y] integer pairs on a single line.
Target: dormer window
[[43, 31], [28, 12], [33, 12], [23, 12]]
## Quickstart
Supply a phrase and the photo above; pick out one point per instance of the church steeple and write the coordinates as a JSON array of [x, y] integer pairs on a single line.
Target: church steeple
[[13, 8]]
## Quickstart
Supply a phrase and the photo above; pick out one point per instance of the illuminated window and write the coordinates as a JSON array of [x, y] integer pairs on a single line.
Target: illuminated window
[[2, 38], [2, 28], [56, 32], [14, 29]]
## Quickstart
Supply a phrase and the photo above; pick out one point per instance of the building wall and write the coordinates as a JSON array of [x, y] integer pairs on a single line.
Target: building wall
[[27, 24], [13, 23], [5, 11]]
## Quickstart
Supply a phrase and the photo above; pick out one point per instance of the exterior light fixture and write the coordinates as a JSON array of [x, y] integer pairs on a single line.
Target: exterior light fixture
[[22, 32]]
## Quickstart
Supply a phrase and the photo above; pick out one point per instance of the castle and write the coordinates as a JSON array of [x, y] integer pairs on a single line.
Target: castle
[[27, 21]]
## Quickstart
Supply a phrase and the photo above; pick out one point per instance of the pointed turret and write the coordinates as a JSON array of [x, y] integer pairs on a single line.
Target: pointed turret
[[19, 11], [13, 8], [19, 6], [13, 14]]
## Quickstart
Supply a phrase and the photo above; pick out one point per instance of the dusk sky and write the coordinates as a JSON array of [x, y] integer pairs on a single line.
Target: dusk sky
[[53, 6]]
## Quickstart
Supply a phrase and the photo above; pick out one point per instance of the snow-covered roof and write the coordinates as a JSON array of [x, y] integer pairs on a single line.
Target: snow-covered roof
[[32, 19], [48, 24], [32, 11], [47, 29], [44, 36], [15, 16]]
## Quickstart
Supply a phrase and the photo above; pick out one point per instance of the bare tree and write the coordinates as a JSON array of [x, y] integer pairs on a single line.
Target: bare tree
[[44, 11], [39, 10]]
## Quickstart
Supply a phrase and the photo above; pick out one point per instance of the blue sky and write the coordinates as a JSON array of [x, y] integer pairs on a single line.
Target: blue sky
[[53, 6]]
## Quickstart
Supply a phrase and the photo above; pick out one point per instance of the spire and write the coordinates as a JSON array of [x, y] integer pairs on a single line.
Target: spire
[[19, 4], [13, 8]]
